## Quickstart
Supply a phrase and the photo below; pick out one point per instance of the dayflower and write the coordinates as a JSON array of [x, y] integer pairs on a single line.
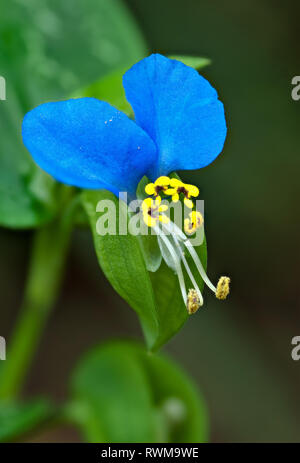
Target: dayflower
[[152, 211], [179, 124]]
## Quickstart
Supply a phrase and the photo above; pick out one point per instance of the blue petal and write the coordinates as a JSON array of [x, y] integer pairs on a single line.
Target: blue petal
[[179, 109], [88, 143]]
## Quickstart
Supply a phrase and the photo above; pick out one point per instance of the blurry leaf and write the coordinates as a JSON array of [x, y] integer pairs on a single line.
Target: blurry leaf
[[27, 195], [47, 50], [19, 418], [195, 62], [121, 260], [178, 399], [121, 394], [109, 89], [114, 396], [156, 297]]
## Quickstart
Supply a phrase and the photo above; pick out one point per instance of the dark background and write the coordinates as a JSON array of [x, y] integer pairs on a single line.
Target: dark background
[[239, 352]]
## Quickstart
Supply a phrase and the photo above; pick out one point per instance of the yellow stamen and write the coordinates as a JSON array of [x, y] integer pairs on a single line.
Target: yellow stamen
[[174, 182], [193, 301], [162, 181], [149, 221], [189, 227], [164, 219], [192, 189], [163, 208], [160, 184], [222, 290], [150, 189], [147, 203], [177, 187], [197, 218], [193, 223], [189, 203], [170, 191], [152, 210]]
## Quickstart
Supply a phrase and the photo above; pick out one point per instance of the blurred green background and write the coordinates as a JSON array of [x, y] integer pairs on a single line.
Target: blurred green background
[[239, 352]]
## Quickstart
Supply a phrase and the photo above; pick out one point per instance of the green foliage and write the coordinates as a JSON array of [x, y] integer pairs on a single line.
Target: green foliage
[[122, 394], [121, 259], [110, 89], [195, 62], [48, 50], [20, 418], [155, 296]]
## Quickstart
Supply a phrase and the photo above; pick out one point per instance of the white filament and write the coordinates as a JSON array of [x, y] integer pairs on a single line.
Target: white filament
[[176, 232], [186, 265], [176, 261]]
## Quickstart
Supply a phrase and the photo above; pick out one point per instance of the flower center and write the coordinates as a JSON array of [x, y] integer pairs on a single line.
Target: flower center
[[173, 241], [181, 189], [159, 188], [153, 211]]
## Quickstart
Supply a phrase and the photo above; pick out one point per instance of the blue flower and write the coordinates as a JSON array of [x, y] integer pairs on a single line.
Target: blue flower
[[179, 124]]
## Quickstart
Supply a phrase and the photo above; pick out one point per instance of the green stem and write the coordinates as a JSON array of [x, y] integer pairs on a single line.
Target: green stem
[[50, 247]]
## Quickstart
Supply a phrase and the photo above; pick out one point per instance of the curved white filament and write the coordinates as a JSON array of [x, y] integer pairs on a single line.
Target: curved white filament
[[186, 265], [175, 231], [176, 261]]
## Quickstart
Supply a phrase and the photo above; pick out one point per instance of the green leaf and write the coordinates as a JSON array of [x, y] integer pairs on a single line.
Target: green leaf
[[195, 62], [48, 50], [121, 394], [155, 296], [109, 89], [180, 403], [121, 260], [17, 419], [27, 195]]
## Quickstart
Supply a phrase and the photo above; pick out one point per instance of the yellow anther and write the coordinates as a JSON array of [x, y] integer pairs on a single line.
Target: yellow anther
[[152, 211], [146, 204], [162, 181], [149, 221], [189, 203], [192, 189], [177, 187], [157, 200], [172, 191], [222, 290], [150, 189], [164, 218], [193, 223], [160, 184], [163, 208], [189, 228], [197, 218], [174, 182], [193, 301]]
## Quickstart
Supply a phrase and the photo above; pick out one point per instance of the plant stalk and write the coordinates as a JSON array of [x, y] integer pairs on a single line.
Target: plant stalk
[[50, 246]]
